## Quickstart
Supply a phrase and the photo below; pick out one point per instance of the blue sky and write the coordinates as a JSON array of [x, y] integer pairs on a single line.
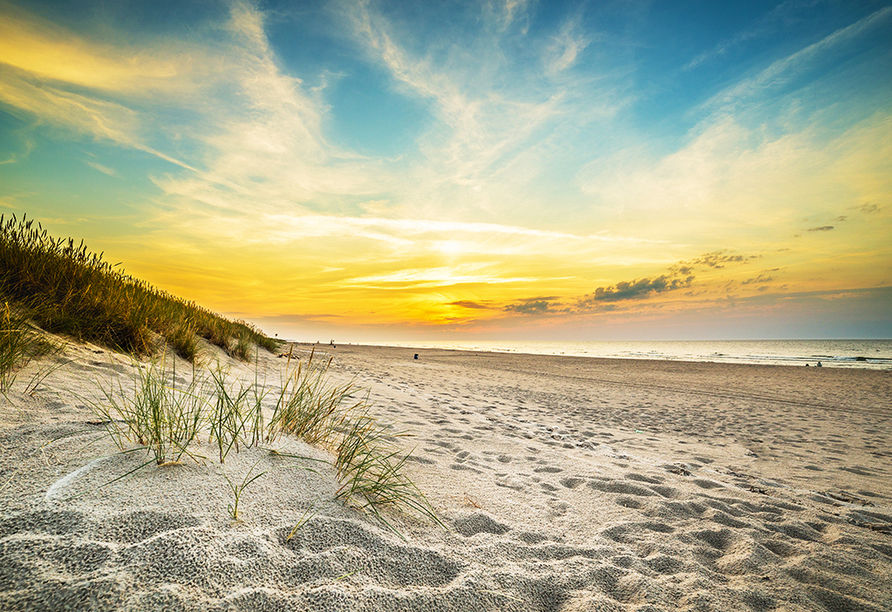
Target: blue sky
[[503, 169]]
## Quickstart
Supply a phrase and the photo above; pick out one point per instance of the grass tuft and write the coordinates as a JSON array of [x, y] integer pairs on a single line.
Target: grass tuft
[[370, 468], [309, 407], [239, 488], [19, 343], [368, 463], [184, 341], [156, 415]]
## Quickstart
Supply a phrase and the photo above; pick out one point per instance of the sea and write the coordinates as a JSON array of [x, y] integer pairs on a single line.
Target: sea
[[868, 354]]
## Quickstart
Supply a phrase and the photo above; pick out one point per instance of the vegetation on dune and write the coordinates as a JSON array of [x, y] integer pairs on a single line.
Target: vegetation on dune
[[65, 288], [167, 421], [19, 343], [62, 287]]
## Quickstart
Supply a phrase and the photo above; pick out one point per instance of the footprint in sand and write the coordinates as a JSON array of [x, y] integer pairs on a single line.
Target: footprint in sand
[[571, 482], [548, 470]]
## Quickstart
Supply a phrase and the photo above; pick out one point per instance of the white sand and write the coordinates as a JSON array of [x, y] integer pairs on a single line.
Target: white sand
[[566, 484]]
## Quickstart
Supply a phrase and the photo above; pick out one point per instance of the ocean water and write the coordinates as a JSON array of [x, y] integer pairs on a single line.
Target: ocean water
[[871, 354]]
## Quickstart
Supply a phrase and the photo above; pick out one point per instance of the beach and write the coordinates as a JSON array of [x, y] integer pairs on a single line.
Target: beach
[[562, 483]]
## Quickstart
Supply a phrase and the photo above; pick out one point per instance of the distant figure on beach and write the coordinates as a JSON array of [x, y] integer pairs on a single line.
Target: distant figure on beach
[[819, 364]]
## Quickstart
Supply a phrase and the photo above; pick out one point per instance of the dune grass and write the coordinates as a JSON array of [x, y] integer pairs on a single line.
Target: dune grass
[[154, 414], [239, 488], [370, 469], [167, 421], [19, 343], [309, 407], [65, 288]]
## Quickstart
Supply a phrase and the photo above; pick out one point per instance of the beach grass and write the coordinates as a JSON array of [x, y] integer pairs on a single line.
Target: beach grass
[[62, 287], [370, 469], [164, 419], [309, 407], [168, 421], [238, 488], [19, 343], [65, 288]]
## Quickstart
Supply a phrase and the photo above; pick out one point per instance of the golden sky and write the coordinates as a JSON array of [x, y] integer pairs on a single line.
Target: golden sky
[[514, 170]]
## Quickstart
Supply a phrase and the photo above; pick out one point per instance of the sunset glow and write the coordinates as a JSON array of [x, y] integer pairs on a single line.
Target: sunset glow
[[366, 170]]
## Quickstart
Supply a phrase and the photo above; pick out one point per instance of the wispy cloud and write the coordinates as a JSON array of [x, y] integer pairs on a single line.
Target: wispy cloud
[[785, 69], [264, 136], [568, 44], [266, 148], [102, 90], [26, 145], [781, 16], [469, 304], [717, 259], [496, 118], [47, 51], [761, 279], [468, 274], [102, 169], [732, 182]]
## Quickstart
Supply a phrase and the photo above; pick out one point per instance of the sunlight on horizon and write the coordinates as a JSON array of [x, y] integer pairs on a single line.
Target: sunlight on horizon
[[551, 170]]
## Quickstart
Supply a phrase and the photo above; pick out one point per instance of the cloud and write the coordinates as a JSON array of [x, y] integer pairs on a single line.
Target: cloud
[[680, 276], [758, 279], [102, 169], [784, 70], [469, 304], [716, 259], [532, 306], [823, 228], [567, 46], [705, 190], [27, 145], [633, 290], [426, 278], [49, 52], [869, 209], [108, 90], [252, 130], [507, 12], [497, 119], [83, 113], [781, 15]]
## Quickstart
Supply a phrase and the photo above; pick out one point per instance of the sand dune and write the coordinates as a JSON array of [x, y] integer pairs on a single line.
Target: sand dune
[[564, 484]]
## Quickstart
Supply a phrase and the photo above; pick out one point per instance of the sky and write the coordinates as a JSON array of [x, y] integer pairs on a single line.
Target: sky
[[494, 169]]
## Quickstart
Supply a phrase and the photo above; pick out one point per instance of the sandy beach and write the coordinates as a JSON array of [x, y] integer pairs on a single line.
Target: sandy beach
[[564, 484]]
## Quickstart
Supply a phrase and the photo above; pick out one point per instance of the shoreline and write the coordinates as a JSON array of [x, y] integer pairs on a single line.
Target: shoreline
[[525, 348]]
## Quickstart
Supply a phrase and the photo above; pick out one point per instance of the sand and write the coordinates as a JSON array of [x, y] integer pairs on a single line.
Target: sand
[[564, 484]]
